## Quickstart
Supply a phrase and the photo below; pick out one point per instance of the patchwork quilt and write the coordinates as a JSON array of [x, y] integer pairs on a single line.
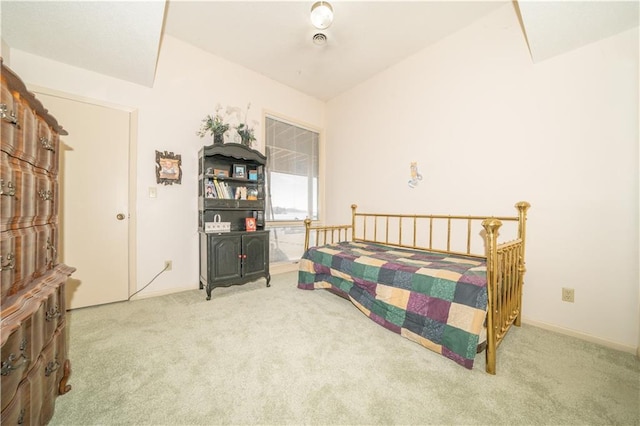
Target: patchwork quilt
[[438, 300]]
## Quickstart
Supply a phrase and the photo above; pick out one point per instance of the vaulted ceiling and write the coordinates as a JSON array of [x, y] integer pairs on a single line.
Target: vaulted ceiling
[[122, 38]]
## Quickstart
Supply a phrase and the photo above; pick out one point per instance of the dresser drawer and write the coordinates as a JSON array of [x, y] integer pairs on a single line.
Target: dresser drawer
[[18, 252], [9, 127], [26, 135], [21, 410], [31, 195], [36, 329], [23, 210], [46, 253], [14, 363], [53, 363], [54, 313], [23, 144], [47, 148], [7, 191], [46, 204], [26, 254]]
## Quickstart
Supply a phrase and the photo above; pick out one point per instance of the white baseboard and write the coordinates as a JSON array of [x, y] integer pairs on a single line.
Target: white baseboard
[[589, 338], [147, 295], [280, 268]]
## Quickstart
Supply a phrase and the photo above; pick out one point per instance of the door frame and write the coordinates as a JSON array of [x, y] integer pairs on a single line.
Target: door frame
[[132, 192]]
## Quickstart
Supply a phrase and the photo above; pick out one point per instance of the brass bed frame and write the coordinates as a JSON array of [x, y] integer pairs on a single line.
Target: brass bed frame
[[505, 260]]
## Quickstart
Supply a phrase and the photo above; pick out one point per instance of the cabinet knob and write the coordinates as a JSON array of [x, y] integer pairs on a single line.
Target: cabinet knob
[[120, 216]]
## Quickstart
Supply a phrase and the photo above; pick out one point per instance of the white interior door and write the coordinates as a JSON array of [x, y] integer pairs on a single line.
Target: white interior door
[[94, 186]]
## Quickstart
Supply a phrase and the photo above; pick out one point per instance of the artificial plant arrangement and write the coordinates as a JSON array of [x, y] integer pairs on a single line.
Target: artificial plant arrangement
[[215, 124], [243, 129]]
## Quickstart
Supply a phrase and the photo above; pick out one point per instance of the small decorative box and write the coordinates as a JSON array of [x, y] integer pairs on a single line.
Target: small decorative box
[[217, 225]]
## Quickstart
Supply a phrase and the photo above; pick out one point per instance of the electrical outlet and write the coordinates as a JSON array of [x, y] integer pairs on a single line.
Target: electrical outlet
[[167, 265], [567, 294]]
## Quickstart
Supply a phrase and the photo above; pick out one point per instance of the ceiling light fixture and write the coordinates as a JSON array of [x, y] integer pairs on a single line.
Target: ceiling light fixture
[[321, 15]]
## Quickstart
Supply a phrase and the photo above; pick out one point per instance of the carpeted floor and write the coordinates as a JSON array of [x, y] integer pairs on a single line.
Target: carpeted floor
[[279, 355]]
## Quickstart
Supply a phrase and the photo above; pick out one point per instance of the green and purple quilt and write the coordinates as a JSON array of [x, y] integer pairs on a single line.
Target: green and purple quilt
[[438, 300]]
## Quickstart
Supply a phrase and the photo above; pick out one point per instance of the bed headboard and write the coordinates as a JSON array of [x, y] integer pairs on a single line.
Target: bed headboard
[[464, 235]]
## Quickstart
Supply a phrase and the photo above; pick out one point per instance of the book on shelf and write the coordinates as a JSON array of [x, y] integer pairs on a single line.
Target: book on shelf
[[218, 188]]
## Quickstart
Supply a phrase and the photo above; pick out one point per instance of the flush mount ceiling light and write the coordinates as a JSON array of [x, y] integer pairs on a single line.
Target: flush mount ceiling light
[[321, 15]]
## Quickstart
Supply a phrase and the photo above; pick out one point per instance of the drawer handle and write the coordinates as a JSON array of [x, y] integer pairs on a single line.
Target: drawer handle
[[11, 118], [11, 260], [46, 195], [11, 189], [54, 254], [47, 144], [9, 366], [51, 367], [53, 313]]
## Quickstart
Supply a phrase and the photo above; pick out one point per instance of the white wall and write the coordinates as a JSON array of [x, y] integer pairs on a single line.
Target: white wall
[[486, 126], [5, 52], [489, 128], [188, 85]]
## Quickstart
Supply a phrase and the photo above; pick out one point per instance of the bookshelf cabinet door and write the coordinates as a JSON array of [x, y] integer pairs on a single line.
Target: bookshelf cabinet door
[[224, 257], [255, 250]]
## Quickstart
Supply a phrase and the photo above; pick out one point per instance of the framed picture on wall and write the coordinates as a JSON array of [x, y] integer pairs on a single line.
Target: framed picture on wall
[[168, 168], [240, 171]]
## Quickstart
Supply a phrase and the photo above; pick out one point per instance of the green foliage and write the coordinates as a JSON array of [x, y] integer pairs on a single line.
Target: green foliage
[[212, 124], [246, 133]]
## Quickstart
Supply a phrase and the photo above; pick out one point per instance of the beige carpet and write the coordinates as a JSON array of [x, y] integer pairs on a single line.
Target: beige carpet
[[279, 355]]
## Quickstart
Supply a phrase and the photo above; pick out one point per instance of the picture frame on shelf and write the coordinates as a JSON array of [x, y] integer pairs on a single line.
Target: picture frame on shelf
[[221, 173], [253, 175], [168, 168], [209, 191], [240, 171], [250, 224]]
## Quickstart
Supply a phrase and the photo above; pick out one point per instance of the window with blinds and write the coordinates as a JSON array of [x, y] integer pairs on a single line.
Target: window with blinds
[[292, 187], [292, 171]]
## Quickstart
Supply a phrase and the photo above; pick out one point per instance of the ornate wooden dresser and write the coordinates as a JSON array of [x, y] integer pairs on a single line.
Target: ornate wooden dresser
[[35, 368]]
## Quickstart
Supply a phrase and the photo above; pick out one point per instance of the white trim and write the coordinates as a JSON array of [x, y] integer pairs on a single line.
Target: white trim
[[280, 268], [589, 338], [266, 113], [283, 267], [291, 121], [150, 294]]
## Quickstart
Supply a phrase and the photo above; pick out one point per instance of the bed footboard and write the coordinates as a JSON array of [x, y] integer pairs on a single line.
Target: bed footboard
[[505, 280]]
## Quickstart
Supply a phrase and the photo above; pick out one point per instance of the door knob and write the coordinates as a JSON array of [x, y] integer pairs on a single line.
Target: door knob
[[120, 216]]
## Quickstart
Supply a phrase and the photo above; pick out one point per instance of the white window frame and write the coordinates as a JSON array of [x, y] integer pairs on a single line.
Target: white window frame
[[282, 267]]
